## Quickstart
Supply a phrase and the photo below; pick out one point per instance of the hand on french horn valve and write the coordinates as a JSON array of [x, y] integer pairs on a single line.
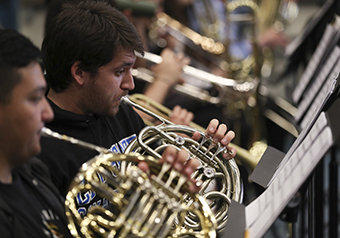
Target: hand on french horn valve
[[218, 132], [180, 162]]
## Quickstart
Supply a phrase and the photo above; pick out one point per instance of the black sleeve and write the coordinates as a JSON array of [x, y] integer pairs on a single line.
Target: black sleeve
[[48, 192], [8, 225], [39, 169]]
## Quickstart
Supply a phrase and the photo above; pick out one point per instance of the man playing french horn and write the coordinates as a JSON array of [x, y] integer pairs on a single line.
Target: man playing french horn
[[88, 55]]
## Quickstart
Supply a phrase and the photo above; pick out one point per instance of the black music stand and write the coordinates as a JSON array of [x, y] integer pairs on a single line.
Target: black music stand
[[330, 108]]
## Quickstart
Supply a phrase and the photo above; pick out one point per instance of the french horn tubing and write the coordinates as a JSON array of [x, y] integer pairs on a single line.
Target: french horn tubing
[[247, 158], [159, 205], [221, 178]]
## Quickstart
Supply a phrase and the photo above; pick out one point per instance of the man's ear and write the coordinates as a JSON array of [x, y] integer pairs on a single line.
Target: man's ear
[[77, 73]]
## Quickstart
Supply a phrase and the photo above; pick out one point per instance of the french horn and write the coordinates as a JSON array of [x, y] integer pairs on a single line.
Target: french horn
[[221, 178], [139, 205]]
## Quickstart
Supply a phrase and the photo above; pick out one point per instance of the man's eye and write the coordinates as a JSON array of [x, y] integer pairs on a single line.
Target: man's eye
[[118, 73], [36, 98], [122, 71]]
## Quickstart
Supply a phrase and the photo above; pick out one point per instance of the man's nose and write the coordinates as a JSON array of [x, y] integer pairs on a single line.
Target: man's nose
[[128, 81], [47, 112]]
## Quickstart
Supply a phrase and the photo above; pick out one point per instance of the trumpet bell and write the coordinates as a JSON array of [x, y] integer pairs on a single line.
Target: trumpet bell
[[138, 205]]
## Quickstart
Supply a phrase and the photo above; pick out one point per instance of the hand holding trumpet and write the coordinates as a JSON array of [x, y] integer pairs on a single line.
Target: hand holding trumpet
[[170, 69], [167, 74]]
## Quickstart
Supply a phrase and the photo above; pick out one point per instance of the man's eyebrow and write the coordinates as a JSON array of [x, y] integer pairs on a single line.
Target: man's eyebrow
[[124, 64], [40, 89]]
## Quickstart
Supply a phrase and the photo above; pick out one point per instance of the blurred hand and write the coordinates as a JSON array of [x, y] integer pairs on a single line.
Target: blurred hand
[[181, 116], [170, 69], [272, 38]]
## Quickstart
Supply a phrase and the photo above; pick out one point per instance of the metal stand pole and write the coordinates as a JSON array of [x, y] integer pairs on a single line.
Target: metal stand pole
[[333, 194], [311, 218], [319, 203]]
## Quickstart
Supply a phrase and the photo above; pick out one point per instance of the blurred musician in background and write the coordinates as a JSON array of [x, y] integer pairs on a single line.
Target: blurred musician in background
[[237, 35], [191, 13], [88, 54]]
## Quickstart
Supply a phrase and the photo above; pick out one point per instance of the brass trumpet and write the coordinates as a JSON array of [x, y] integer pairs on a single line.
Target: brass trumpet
[[162, 20], [211, 49], [207, 47], [221, 84]]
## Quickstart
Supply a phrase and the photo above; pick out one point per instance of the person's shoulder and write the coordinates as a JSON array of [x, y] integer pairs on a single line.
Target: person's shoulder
[[34, 168]]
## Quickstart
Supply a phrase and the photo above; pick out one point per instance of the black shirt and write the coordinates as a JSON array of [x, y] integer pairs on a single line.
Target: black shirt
[[65, 159], [30, 206]]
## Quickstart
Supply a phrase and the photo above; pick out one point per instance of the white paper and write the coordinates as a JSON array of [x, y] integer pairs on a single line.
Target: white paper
[[263, 211]]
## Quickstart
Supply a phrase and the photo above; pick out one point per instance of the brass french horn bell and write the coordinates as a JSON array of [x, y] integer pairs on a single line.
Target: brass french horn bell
[[138, 205]]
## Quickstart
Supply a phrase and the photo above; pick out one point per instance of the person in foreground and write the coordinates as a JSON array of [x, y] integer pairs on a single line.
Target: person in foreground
[[30, 205], [88, 54]]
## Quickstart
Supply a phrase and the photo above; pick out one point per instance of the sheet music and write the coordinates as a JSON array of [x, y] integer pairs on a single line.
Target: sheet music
[[262, 212], [321, 96], [314, 62], [293, 45], [317, 84], [305, 130]]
